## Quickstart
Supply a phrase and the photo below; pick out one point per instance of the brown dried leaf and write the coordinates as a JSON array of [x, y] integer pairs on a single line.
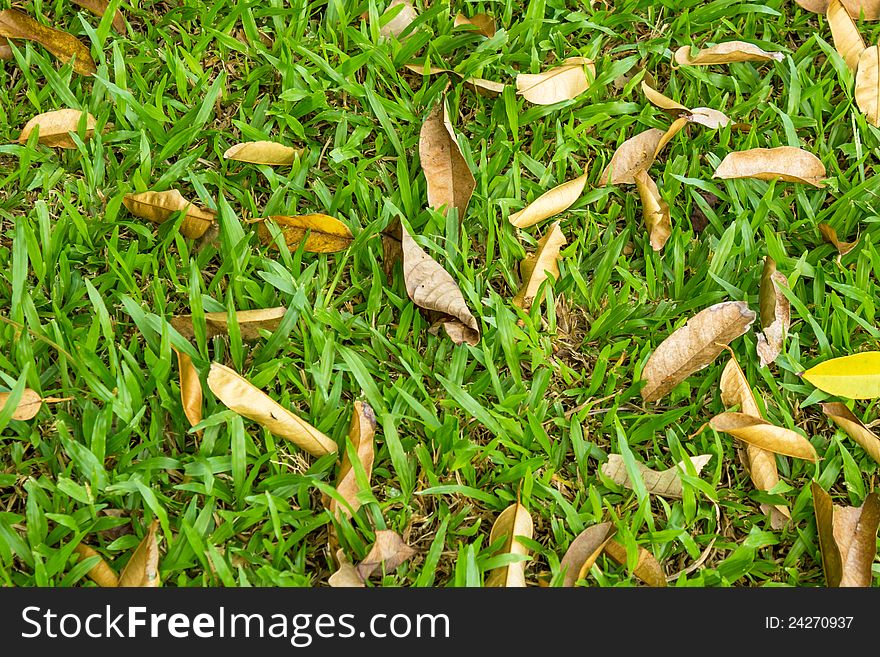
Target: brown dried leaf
[[583, 552], [483, 23], [158, 207], [55, 128], [725, 53], [450, 181], [654, 209], [17, 25], [28, 405], [326, 234], [635, 154], [705, 116], [757, 431], [363, 428], [853, 427], [557, 84], [99, 8], [481, 86], [347, 576], [783, 163], [648, 569], [550, 203], [665, 483], [5, 49], [401, 21], [856, 8], [847, 39], [775, 313], [535, 266], [263, 152], [249, 401], [693, 346], [101, 573], [387, 553], [190, 388], [868, 84], [511, 523], [142, 570], [250, 323], [830, 236]]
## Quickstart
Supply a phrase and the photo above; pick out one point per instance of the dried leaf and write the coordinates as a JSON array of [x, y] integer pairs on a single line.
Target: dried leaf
[[401, 20], [511, 523], [854, 377], [775, 313], [705, 116], [158, 207], [250, 323], [847, 39], [757, 431], [867, 90], [484, 23], [535, 266], [101, 573], [853, 427], [387, 553], [693, 346], [190, 388], [99, 8], [363, 428], [432, 288], [263, 152], [665, 483], [5, 49], [251, 402], [555, 85], [583, 552], [326, 234], [17, 25], [867, 9], [847, 538], [55, 128], [550, 203], [28, 405], [142, 570], [783, 163], [830, 236], [648, 569], [654, 209], [481, 86], [725, 53], [347, 576], [450, 181], [635, 154]]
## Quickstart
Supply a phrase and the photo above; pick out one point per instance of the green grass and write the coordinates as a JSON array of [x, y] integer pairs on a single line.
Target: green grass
[[534, 408]]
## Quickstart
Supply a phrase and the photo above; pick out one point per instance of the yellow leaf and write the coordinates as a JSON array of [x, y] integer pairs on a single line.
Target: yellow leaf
[[847, 39], [868, 84], [326, 234], [511, 523], [158, 207], [360, 435], [101, 573], [654, 209], [846, 420], [665, 483], [557, 84], [263, 152], [830, 236], [535, 267], [99, 8], [783, 163], [635, 154], [725, 53], [482, 23], [250, 323], [142, 570], [550, 203], [757, 431], [190, 388], [854, 377], [450, 181], [583, 552], [647, 569], [55, 128]]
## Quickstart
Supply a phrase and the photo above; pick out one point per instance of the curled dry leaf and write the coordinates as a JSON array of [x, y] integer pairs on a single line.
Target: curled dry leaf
[[387, 553], [535, 266], [250, 323], [847, 538], [648, 569], [17, 25], [635, 154], [830, 236], [853, 427], [347, 575], [55, 128], [775, 313], [142, 570], [101, 573], [782, 163], [725, 53], [158, 207], [263, 152], [28, 405], [853, 377], [402, 20], [99, 8], [583, 552], [482, 23], [847, 39], [868, 84], [557, 84], [868, 9], [654, 209], [363, 428], [514, 521], [665, 483], [550, 203], [450, 181], [190, 388], [249, 401], [693, 346], [481, 86], [322, 233], [757, 431]]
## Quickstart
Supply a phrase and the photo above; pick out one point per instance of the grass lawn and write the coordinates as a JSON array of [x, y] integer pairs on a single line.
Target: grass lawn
[[533, 409]]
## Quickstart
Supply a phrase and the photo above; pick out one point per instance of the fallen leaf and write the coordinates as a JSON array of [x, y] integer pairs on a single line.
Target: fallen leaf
[[55, 128], [648, 569], [347, 575], [654, 209], [250, 323], [783, 163], [17, 25], [830, 236], [450, 181], [775, 313], [847, 538], [847, 39], [5, 49], [705, 116], [757, 431], [249, 401], [481, 86], [870, 8], [635, 154], [402, 20], [190, 388], [854, 377], [326, 234], [158, 207], [550, 203], [853, 427], [101, 573], [535, 266], [665, 483], [867, 89], [99, 8], [511, 523], [363, 428], [583, 552], [142, 570], [698, 218], [693, 346], [263, 152], [725, 53], [557, 84], [484, 23], [28, 405], [387, 553]]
